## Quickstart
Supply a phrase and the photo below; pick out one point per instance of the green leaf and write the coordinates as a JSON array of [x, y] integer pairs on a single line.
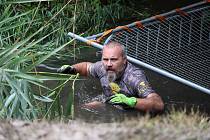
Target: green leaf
[[17, 24], [52, 76], [43, 98], [13, 18], [24, 1], [9, 100], [17, 89], [42, 59], [20, 75], [14, 106], [7, 12]]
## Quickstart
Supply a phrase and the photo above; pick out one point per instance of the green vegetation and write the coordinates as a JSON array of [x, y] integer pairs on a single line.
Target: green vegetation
[[30, 33], [18, 57]]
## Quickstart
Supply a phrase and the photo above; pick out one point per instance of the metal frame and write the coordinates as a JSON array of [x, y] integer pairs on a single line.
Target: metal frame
[[141, 63]]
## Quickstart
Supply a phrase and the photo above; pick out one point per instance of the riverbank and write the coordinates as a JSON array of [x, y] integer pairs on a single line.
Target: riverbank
[[178, 125]]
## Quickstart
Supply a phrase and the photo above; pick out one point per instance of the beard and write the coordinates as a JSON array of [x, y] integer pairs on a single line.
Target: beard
[[111, 76]]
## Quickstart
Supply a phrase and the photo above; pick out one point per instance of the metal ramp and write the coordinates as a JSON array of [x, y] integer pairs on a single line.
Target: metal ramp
[[175, 44]]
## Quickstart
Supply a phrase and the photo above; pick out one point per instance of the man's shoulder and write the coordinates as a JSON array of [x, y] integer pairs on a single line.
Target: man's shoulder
[[97, 64], [133, 74], [137, 80], [97, 69], [133, 70]]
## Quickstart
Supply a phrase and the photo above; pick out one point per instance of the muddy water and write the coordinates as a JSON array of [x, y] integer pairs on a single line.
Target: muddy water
[[174, 94]]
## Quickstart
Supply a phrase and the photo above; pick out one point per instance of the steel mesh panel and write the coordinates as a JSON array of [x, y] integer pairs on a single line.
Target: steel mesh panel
[[179, 45]]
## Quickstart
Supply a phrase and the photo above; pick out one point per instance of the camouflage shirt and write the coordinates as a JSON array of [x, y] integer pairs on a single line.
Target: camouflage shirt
[[132, 82]]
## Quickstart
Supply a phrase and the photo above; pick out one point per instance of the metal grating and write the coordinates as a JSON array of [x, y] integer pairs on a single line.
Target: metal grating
[[177, 45], [180, 45]]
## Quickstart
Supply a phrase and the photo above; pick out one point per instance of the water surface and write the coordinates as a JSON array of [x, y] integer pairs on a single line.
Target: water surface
[[173, 93]]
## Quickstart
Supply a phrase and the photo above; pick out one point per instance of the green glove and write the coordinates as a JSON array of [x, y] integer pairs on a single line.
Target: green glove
[[67, 69], [122, 99]]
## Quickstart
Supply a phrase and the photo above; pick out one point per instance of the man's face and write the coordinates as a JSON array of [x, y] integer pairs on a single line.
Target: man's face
[[113, 60]]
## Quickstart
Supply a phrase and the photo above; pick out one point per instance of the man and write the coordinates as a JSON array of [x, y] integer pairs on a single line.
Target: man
[[123, 84]]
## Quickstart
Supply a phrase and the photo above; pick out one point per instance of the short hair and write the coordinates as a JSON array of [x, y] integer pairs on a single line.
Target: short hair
[[113, 44]]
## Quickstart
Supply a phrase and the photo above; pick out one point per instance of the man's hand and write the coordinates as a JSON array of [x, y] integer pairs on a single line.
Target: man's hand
[[67, 69], [122, 99]]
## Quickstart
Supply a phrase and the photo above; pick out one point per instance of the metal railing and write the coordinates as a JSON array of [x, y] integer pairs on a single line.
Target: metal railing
[[175, 44]]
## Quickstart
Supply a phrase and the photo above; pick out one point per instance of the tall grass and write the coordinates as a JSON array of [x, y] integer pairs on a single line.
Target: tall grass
[[23, 39], [18, 99], [30, 33]]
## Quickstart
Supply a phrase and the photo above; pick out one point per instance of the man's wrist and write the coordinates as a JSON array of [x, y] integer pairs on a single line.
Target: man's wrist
[[67, 69], [132, 102]]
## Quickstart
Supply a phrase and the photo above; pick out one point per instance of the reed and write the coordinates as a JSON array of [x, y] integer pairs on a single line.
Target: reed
[[24, 45], [31, 32]]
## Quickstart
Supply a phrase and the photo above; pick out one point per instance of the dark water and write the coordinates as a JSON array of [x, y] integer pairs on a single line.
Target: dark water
[[174, 94]]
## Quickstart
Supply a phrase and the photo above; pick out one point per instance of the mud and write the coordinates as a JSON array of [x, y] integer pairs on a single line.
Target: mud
[[143, 128]]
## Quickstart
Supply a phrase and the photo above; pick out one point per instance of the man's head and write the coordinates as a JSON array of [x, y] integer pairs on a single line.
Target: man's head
[[114, 60]]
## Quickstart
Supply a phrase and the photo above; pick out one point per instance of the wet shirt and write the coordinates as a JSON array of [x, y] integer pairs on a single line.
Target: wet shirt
[[132, 83]]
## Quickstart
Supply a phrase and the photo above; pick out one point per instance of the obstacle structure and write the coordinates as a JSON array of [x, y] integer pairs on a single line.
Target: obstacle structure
[[175, 44]]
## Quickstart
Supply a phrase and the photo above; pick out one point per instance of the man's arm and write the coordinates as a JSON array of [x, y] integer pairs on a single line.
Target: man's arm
[[152, 102], [81, 68]]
